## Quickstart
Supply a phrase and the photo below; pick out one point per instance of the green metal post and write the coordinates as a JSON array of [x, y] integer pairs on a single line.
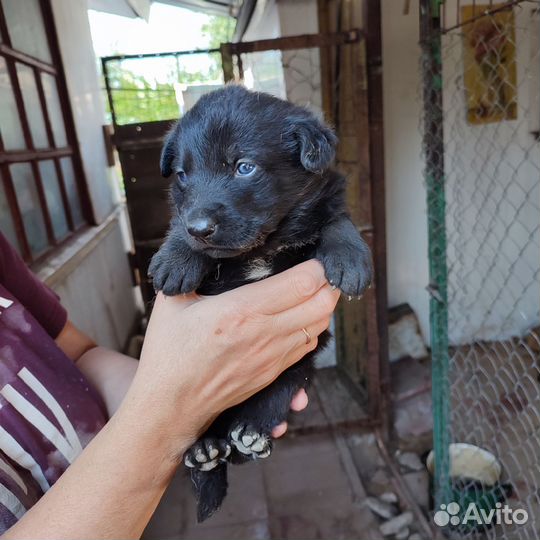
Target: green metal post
[[433, 147]]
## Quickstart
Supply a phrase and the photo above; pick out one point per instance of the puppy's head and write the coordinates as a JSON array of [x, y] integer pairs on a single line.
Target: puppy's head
[[242, 162]]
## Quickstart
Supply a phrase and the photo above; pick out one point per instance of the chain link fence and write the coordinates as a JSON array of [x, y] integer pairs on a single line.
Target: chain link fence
[[481, 104]]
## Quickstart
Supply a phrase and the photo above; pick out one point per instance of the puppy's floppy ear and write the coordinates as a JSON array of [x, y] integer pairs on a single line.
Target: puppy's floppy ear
[[317, 144], [168, 151]]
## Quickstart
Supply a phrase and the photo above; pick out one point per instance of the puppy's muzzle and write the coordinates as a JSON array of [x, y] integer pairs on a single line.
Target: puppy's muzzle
[[202, 228]]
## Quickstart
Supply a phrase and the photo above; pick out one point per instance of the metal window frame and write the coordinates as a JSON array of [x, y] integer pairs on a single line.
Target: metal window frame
[[33, 155]]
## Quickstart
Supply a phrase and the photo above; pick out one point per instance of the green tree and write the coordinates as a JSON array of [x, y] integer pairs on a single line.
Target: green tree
[[137, 99], [218, 30]]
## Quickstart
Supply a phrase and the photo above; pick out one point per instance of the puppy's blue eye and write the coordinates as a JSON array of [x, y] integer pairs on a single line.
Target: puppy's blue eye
[[181, 175], [244, 168]]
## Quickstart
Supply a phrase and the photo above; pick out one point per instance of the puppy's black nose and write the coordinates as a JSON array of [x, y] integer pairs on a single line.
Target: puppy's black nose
[[202, 227]]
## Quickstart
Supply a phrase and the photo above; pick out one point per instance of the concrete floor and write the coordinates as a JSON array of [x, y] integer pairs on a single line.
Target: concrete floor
[[302, 491]]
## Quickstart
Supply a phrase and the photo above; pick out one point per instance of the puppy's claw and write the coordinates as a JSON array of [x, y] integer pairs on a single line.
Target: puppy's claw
[[249, 442], [206, 454]]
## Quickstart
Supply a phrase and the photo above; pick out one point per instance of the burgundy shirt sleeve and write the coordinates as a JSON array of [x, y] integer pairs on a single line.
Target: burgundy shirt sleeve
[[34, 295]]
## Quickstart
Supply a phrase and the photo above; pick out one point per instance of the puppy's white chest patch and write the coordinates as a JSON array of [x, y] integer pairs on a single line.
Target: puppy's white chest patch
[[257, 269]]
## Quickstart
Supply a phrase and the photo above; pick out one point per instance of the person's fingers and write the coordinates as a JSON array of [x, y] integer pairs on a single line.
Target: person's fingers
[[299, 401], [321, 305], [285, 290], [279, 430], [299, 344], [180, 300]]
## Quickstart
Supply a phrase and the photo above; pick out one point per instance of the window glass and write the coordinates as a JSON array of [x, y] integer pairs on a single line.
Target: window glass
[[72, 192], [55, 110], [53, 197], [27, 197], [10, 123], [26, 29], [6, 219], [32, 105]]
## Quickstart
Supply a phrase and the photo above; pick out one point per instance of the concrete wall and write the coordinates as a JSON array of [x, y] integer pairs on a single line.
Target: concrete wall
[[406, 222], [95, 286], [91, 273]]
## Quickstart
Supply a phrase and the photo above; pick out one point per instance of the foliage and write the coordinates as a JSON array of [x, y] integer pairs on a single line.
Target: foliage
[[218, 30], [141, 98]]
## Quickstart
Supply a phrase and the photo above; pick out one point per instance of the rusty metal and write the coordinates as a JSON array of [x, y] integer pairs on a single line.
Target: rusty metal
[[305, 41], [18, 156], [174, 54], [67, 115], [227, 63], [32, 155], [26, 59], [490, 11], [50, 138], [378, 365]]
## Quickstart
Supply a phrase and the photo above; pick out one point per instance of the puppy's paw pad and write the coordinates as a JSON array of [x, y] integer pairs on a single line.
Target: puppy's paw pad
[[176, 273], [207, 454], [249, 442], [348, 269]]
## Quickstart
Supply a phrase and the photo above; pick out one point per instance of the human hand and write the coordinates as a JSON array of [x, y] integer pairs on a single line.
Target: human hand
[[204, 355], [299, 403]]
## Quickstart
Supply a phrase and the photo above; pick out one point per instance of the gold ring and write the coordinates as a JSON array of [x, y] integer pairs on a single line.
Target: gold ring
[[308, 337]]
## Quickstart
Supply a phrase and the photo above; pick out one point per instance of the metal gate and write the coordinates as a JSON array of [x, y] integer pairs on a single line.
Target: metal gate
[[324, 72]]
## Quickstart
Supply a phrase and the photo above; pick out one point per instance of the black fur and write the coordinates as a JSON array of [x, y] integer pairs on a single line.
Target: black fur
[[292, 208]]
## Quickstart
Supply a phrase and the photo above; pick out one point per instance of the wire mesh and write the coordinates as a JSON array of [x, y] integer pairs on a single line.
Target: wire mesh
[[481, 95], [294, 75]]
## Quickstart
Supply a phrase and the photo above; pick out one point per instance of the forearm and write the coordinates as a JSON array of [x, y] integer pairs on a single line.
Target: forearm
[[114, 486], [110, 373]]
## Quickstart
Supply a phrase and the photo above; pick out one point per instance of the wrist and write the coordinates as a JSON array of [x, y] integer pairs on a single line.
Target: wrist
[[167, 421]]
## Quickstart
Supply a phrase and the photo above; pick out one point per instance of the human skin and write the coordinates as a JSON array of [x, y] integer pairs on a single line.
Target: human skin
[[111, 373], [239, 342]]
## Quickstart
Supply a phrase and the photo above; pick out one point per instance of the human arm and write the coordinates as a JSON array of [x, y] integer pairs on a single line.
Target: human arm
[[111, 373], [197, 360]]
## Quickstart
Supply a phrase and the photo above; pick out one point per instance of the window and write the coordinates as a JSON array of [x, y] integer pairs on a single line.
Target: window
[[43, 198]]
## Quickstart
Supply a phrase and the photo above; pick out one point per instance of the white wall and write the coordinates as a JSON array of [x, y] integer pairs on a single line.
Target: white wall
[[73, 29], [406, 222], [493, 202], [98, 293], [492, 189]]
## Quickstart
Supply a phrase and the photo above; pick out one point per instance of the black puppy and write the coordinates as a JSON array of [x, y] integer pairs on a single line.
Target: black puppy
[[253, 196]]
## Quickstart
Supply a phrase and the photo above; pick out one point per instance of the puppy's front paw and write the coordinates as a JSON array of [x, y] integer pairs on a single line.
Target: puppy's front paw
[[177, 271], [206, 454], [347, 267], [249, 442]]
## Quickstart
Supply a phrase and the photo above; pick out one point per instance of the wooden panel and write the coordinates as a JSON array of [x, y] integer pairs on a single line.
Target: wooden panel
[[360, 325], [147, 193]]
